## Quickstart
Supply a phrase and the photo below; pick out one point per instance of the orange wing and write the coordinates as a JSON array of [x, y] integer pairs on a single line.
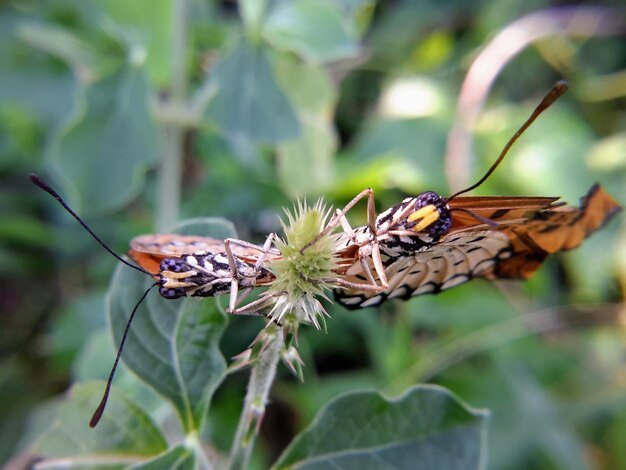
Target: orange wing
[[553, 230], [149, 250], [500, 209]]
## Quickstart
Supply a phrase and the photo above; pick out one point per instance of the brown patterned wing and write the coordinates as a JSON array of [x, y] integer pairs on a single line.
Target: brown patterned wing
[[553, 230], [149, 250], [457, 258]]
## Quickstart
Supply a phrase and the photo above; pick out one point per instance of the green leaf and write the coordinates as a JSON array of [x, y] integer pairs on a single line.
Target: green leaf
[[305, 164], [124, 435], [172, 345], [313, 29], [427, 427], [252, 13], [249, 107], [308, 86], [104, 149], [151, 21], [176, 458]]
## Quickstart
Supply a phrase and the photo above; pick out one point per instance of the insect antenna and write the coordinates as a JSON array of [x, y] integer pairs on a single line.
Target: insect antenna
[[36, 180], [554, 94], [95, 419]]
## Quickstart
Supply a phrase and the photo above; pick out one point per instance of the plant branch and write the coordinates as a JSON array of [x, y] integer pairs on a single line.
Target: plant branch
[[261, 378]]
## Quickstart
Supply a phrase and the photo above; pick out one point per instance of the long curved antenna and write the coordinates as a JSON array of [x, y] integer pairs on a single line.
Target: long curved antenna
[[95, 419], [554, 94], [36, 180]]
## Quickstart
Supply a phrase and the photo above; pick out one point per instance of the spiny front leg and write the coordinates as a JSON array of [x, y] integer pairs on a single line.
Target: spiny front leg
[[258, 304], [340, 216], [374, 253]]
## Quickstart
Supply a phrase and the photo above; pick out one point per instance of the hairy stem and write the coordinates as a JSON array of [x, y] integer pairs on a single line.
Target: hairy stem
[[261, 378]]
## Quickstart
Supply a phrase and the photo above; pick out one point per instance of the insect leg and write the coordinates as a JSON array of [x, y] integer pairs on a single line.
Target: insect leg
[[234, 298], [234, 272], [355, 285], [340, 214], [258, 303], [378, 263], [264, 249]]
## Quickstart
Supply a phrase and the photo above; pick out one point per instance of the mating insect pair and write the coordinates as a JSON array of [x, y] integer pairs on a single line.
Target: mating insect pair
[[425, 244]]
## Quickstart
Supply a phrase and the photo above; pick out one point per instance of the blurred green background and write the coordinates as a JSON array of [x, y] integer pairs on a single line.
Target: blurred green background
[[148, 112]]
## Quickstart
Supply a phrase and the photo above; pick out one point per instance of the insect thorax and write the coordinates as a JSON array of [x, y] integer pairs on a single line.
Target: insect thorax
[[421, 220], [203, 275]]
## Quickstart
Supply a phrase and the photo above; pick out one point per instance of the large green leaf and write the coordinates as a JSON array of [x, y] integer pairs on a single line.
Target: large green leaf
[[172, 344], [426, 428], [315, 30], [249, 106], [104, 149], [124, 435]]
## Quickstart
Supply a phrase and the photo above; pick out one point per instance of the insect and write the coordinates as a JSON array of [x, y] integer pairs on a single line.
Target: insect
[[429, 243], [194, 266], [527, 231], [186, 265]]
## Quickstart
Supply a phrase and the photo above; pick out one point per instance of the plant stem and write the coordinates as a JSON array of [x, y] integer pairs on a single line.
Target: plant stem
[[169, 184], [261, 378]]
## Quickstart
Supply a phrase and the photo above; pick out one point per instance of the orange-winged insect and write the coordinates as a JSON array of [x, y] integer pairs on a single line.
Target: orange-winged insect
[[429, 243]]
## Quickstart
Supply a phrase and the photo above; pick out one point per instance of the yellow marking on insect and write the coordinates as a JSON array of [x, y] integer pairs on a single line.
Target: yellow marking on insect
[[172, 279], [423, 217], [174, 275]]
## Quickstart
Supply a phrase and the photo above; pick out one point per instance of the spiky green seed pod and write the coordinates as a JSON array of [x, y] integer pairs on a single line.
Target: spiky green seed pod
[[304, 272]]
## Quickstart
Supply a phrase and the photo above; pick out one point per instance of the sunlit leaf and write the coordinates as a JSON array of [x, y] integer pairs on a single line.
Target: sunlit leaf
[[313, 29]]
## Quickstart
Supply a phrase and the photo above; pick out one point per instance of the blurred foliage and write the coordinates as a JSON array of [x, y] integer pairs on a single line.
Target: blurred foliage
[[260, 103]]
